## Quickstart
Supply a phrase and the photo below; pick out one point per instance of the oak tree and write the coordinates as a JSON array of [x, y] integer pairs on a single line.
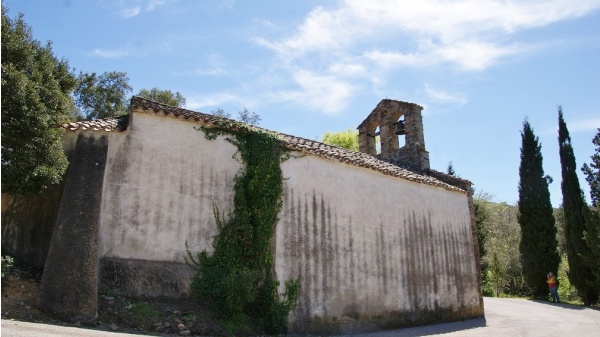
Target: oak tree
[[163, 96], [36, 89]]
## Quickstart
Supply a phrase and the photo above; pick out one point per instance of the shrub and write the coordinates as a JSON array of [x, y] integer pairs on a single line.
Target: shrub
[[7, 263]]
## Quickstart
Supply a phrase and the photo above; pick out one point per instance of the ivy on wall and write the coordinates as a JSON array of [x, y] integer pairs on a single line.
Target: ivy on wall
[[238, 279]]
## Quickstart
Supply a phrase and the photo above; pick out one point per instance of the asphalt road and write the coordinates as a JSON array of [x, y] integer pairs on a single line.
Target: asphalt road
[[503, 317], [515, 317], [27, 329]]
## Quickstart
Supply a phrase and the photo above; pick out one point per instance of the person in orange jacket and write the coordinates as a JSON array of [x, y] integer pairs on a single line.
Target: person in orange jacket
[[551, 280]]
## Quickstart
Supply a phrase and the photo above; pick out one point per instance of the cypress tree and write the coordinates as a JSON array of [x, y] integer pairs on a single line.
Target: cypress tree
[[576, 211], [592, 239], [592, 172], [592, 235], [538, 246]]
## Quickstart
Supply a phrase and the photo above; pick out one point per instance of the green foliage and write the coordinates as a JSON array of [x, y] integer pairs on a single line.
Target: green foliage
[[221, 113], [249, 117], [538, 247], [575, 209], [101, 96], [347, 139], [237, 279], [497, 275], [35, 99], [503, 275], [503, 234], [566, 291], [163, 96], [592, 232], [592, 172], [481, 217], [592, 239], [7, 263], [144, 310], [244, 116]]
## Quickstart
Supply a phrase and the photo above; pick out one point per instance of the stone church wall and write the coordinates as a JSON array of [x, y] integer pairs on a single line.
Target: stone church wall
[[165, 178], [372, 251]]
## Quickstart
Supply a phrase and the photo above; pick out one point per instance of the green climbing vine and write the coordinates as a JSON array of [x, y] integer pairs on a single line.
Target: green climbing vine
[[238, 279]]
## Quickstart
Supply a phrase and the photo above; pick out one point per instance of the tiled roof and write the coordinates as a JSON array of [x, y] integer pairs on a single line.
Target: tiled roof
[[105, 124], [139, 104], [363, 160]]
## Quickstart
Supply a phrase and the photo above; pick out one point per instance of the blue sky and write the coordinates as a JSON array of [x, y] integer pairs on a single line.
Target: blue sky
[[479, 68]]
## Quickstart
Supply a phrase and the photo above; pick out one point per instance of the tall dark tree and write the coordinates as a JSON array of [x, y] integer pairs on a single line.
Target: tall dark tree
[[538, 246], [592, 172], [592, 234], [576, 211], [592, 239], [163, 96], [100, 96], [36, 89]]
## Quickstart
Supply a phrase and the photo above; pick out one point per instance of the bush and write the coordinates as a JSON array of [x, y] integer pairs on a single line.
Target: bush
[[7, 263]]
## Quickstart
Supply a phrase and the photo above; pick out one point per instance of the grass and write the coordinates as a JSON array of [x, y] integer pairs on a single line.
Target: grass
[[143, 310]]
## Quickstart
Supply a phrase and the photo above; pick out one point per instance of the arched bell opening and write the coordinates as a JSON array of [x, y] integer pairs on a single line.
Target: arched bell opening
[[377, 139], [400, 132]]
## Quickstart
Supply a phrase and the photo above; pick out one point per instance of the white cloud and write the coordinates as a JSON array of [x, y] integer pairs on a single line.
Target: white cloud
[[130, 12], [475, 55], [456, 20], [584, 125], [210, 101], [211, 72], [320, 92], [347, 69], [364, 42], [216, 66], [395, 59], [316, 33], [110, 54], [466, 33], [131, 8], [153, 4], [443, 96]]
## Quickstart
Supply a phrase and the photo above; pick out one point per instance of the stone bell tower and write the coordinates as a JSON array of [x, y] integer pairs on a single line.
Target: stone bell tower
[[395, 122]]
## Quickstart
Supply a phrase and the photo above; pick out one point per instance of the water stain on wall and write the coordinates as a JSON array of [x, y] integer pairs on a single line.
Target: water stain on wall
[[418, 263]]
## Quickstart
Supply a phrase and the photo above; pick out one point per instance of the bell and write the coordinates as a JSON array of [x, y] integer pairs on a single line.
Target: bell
[[400, 129]]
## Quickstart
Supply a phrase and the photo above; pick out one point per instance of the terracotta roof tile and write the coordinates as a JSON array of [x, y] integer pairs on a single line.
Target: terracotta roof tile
[[139, 104], [105, 124]]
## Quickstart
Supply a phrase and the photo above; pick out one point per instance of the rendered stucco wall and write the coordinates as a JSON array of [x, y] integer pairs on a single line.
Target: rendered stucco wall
[[162, 179], [373, 251]]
